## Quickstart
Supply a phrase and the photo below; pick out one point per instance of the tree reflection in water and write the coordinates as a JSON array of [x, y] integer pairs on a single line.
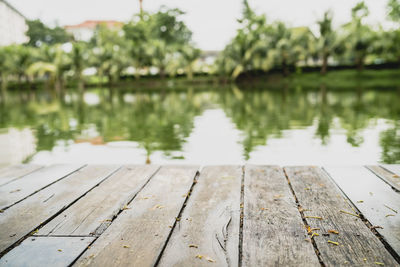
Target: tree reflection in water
[[163, 121]]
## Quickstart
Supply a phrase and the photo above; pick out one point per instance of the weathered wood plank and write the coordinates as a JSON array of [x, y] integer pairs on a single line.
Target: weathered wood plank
[[394, 168], [326, 208], [26, 216], [273, 230], [210, 222], [93, 213], [14, 172], [137, 236], [376, 200], [19, 189], [46, 251], [392, 179]]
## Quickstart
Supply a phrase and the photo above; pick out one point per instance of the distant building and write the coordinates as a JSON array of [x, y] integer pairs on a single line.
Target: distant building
[[85, 30], [12, 25]]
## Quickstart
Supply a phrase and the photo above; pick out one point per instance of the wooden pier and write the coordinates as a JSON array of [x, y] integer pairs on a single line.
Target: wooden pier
[[147, 215]]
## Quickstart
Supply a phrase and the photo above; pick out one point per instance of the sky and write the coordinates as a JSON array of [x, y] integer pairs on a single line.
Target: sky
[[213, 22]]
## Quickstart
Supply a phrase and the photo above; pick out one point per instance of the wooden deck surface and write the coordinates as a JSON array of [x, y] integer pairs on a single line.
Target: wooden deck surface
[[148, 215]]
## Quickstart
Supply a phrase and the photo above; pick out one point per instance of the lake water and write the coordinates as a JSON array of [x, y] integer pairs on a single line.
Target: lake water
[[216, 126]]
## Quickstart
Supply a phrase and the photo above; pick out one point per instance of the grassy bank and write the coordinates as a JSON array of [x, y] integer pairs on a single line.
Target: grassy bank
[[333, 80], [336, 79]]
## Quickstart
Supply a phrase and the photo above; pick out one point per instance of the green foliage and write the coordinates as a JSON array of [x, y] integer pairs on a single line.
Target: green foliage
[[394, 10], [39, 34], [260, 45], [156, 39], [110, 52]]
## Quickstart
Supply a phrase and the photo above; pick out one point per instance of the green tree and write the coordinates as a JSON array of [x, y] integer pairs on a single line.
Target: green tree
[[393, 7], [392, 38], [6, 67], [360, 36], [155, 37], [79, 61], [327, 39], [249, 48], [39, 34], [52, 65], [189, 56], [110, 53]]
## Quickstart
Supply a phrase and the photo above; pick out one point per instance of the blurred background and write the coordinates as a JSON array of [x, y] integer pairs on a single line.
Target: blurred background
[[189, 82]]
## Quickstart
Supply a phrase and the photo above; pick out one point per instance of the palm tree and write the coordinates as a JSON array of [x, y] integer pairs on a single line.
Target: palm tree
[[141, 8], [5, 68], [161, 53], [79, 58], [189, 55], [326, 40], [53, 64], [359, 36]]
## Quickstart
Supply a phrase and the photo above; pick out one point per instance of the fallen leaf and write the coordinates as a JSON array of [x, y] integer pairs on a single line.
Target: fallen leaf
[[126, 246], [199, 256], [395, 211], [360, 201], [60, 250], [210, 260], [193, 246], [157, 207], [314, 234], [379, 263], [349, 213], [16, 190], [332, 242], [314, 217], [333, 232]]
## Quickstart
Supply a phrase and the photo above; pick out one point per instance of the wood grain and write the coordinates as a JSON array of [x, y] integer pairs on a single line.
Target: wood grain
[[46, 251], [137, 236], [14, 172], [392, 179], [376, 200], [208, 231], [26, 216], [394, 168], [93, 212], [273, 230], [19, 189], [326, 208]]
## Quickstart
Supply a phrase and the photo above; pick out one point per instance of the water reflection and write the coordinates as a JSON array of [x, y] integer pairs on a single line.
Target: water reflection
[[225, 125]]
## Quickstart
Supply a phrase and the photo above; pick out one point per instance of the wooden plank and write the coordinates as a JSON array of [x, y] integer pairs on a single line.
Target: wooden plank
[[394, 168], [392, 179], [26, 216], [323, 207], [210, 223], [14, 172], [273, 230], [376, 200], [137, 236], [93, 213], [46, 251], [19, 189]]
